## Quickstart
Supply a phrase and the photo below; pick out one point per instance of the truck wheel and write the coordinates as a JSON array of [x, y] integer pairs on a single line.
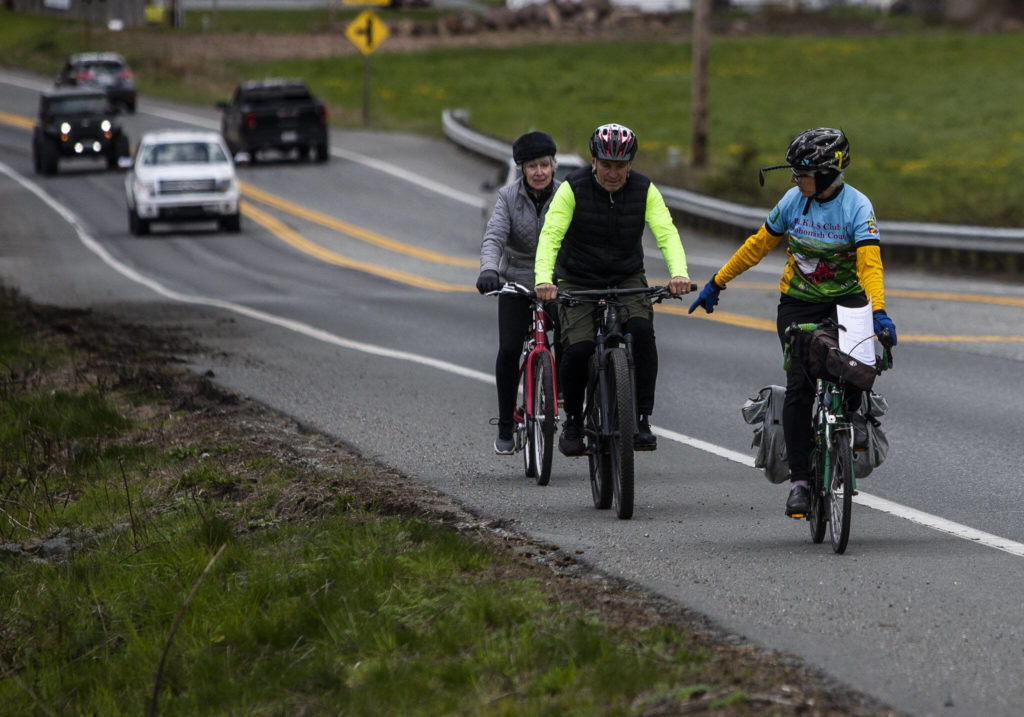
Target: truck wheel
[[231, 223], [138, 226], [322, 155], [48, 158], [119, 149]]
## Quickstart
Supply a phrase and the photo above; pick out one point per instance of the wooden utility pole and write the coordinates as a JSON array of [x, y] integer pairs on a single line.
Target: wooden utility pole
[[699, 80]]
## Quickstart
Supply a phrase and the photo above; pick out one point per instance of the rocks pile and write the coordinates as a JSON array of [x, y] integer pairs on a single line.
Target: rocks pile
[[583, 17]]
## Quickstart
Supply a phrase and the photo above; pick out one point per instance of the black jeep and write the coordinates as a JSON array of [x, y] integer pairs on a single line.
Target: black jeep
[[76, 123]]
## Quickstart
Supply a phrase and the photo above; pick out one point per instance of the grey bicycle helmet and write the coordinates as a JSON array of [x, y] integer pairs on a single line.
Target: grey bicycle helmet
[[613, 141]]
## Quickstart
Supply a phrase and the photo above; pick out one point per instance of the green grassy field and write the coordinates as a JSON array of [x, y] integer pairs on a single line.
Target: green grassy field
[[932, 115]]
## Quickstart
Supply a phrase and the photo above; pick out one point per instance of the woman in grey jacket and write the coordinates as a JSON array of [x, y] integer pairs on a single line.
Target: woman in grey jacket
[[506, 254]]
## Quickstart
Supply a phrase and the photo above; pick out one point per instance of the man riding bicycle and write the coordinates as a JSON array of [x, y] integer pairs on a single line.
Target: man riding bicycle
[[833, 259], [591, 239]]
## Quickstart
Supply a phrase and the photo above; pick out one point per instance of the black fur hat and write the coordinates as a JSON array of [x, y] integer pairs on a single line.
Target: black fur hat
[[533, 145]]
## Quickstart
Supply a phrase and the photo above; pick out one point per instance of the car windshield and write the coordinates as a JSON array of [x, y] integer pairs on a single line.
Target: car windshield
[[78, 105], [197, 152]]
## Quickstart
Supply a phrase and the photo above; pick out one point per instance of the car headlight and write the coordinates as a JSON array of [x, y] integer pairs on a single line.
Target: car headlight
[[105, 125], [225, 185], [144, 189], [65, 128]]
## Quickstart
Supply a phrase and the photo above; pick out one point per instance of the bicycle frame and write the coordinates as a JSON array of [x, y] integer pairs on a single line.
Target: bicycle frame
[[830, 425], [535, 342]]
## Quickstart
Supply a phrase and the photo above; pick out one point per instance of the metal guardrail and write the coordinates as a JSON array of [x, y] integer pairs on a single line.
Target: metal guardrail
[[906, 234]]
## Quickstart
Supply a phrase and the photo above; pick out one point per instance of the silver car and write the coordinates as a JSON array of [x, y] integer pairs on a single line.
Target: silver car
[[181, 175]]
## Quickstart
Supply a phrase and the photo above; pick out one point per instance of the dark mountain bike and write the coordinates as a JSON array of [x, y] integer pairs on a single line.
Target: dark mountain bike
[[833, 479], [610, 411]]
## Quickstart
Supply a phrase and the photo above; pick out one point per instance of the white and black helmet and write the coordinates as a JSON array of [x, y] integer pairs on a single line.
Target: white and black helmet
[[613, 141]]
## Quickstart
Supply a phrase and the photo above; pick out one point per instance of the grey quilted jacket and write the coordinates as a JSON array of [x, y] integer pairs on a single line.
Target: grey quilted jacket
[[510, 239]]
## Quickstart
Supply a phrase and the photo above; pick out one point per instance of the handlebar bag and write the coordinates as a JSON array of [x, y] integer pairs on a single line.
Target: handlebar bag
[[825, 360]]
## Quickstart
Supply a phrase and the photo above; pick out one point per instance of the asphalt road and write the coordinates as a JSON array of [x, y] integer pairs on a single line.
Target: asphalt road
[[346, 302]]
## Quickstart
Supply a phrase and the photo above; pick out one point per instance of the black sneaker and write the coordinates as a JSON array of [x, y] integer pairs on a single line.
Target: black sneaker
[[799, 501], [505, 443], [644, 440], [570, 443]]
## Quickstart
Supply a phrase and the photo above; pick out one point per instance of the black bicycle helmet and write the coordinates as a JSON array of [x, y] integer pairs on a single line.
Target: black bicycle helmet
[[819, 149], [613, 141]]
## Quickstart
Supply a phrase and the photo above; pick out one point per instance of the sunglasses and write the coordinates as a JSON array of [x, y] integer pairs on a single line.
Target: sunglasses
[[801, 175]]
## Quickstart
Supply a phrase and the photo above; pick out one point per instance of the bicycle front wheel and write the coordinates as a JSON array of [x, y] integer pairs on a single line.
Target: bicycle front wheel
[[525, 431], [597, 448], [541, 435], [840, 492], [621, 429]]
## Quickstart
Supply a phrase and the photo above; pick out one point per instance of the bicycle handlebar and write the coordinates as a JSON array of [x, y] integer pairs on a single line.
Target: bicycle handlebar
[[656, 293], [512, 287]]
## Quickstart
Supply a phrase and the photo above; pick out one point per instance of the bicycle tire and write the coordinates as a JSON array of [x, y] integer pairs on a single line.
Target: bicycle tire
[[840, 492], [817, 516], [541, 437], [597, 452], [622, 428], [526, 429]]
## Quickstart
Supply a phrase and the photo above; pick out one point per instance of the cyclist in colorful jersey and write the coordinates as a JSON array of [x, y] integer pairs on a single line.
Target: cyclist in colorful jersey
[[592, 240], [506, 254], [833, 259]]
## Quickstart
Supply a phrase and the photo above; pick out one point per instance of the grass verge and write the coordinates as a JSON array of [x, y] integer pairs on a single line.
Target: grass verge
[[166, 548]]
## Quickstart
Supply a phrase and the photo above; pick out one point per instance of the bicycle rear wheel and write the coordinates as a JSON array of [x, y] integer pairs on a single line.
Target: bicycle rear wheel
[[818, 514], [621, 423], [840, 492], [540, 437], [597, 450]]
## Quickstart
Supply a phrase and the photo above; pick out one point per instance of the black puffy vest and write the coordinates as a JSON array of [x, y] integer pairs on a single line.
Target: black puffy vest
[[603, 243]]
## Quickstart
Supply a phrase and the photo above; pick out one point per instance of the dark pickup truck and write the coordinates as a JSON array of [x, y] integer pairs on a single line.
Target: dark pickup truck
[[275, 114], [76, 124]]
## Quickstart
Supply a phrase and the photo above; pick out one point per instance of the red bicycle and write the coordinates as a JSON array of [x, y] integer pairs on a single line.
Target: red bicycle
[[536, 414]]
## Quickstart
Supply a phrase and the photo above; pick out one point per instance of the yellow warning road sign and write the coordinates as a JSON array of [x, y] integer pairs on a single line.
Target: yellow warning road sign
[[366, 32]]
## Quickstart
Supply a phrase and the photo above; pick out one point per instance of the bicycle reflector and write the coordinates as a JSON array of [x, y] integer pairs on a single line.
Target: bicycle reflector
[[762, 170]]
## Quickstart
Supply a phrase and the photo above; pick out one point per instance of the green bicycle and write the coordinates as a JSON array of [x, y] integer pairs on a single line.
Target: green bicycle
[[833, 480]]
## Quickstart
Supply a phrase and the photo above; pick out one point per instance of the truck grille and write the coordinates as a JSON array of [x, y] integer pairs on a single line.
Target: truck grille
[[187, 186]]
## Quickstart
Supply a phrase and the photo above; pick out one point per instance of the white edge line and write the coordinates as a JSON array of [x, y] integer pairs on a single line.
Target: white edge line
[[291, 325], [881, 504]]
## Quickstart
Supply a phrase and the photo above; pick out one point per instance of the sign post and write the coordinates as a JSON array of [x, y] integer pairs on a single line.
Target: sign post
[[366, 32]]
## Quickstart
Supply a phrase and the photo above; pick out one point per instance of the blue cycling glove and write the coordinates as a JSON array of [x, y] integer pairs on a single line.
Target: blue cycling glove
[[882, 321], [708, 297], [488, 281]]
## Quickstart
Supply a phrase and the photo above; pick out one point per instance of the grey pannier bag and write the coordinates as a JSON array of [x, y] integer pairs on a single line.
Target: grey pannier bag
[[870, 444], [764, 413]]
